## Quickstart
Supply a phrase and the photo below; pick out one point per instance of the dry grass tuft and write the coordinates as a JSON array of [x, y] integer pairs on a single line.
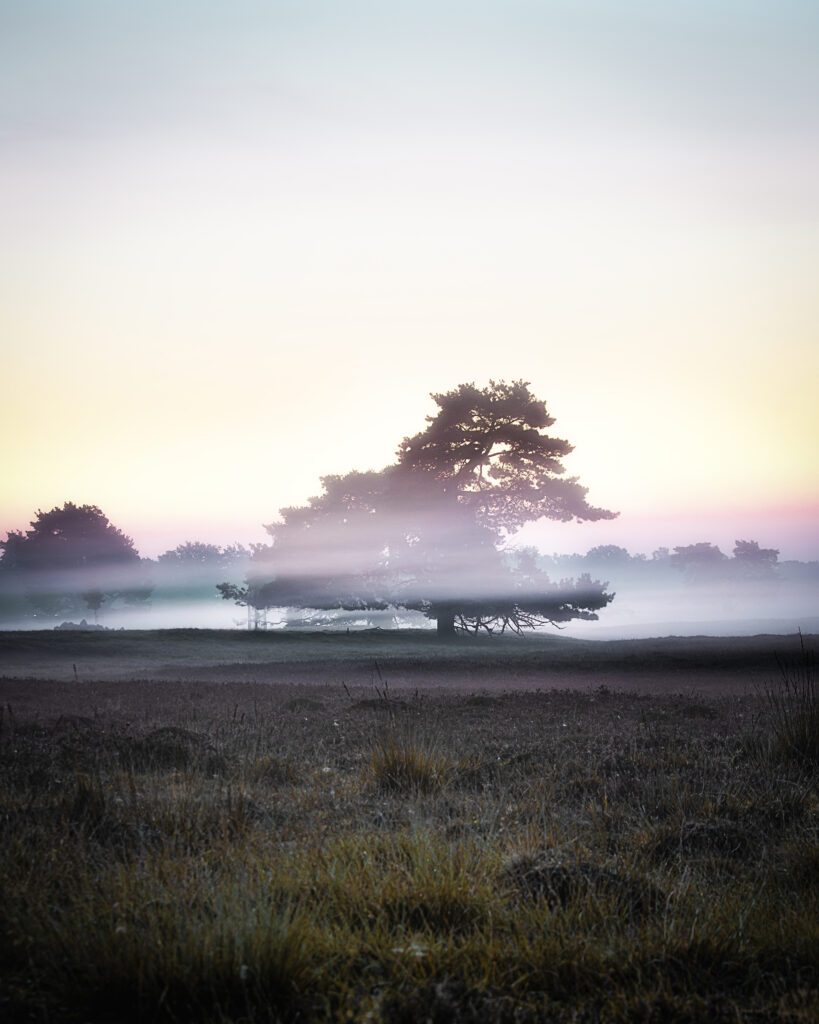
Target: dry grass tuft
[[793, 706], [405, 760]]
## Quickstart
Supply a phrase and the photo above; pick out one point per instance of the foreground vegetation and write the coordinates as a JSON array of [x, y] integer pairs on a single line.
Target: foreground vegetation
[[244, 852]]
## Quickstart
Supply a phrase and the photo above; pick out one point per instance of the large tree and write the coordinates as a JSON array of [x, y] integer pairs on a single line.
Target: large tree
[[490, 448], [424, 533], [72, 558]]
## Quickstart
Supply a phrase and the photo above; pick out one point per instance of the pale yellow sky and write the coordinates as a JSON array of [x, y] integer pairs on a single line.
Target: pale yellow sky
[[204, 308]]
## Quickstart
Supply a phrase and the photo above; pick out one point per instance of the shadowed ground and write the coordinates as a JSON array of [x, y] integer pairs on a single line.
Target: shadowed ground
[[401, 658]]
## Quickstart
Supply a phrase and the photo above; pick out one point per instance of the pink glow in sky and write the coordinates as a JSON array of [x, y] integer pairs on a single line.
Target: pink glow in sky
[[238, 248]]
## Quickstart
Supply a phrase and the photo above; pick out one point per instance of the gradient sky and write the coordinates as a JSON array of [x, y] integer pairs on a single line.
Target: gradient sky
[[241, 242]]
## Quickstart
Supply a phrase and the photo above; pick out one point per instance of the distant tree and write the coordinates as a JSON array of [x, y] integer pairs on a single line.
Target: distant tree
[[799, 572], [704, 563], [71, 537], [197, 553], [192, 553], [234, 592], [608, 554], [94, 600], [254, 598], [187, 574], [73, 554], [424, 533], [233, 554], [701, 562], [755, 563]]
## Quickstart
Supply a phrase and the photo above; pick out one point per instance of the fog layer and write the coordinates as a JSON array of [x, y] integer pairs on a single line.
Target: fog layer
[[683, 592]]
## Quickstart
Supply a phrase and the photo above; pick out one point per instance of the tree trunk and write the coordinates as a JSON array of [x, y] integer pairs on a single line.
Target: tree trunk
[[445, 623]]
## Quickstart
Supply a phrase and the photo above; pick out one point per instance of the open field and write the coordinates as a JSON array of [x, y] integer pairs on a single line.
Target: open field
[[189, 832], [405, 658]]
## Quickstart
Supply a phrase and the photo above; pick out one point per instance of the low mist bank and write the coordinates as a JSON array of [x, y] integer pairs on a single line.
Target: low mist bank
[[691, 591], [634, 613]]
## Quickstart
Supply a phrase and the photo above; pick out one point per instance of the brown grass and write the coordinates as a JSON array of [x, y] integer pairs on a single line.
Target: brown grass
[[254, 853]]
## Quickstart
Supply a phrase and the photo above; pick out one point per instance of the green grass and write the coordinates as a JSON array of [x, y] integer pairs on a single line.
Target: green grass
[[241, 852]]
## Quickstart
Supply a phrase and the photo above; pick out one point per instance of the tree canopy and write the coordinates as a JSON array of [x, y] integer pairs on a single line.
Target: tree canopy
[[704, 563], [70, 554], [71, 537], [197, 554], [755, 563], [489, 446], [424, 533]]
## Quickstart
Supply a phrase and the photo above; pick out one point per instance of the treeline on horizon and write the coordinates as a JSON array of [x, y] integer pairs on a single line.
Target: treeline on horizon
[[73, 562], [427, 535]]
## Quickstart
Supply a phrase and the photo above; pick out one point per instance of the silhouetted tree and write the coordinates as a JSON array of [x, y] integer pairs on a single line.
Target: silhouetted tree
[[187, 574], [489, 447], [530, 599], [196, 553], [755, 563], [94, 600], [72, 553], [423, 534], [609, 554], [192, 552], [701, 562], [254, 598]]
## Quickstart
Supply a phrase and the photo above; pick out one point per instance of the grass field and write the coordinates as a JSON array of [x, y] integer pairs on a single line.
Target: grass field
[[413, 658], [207, 838]]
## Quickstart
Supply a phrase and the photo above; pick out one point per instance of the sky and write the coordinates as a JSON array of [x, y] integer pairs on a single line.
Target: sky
[[241, 243]]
